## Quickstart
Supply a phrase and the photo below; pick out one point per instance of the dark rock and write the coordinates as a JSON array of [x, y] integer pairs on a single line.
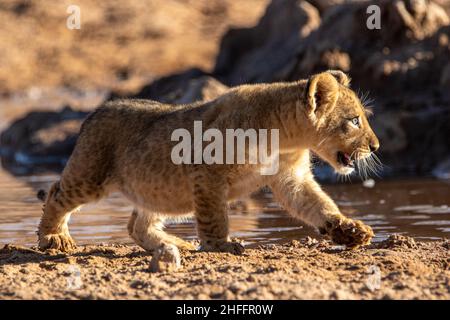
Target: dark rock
[[166, 85], [324, 5], [399, 56], [203, 88], [442, 170], [185, 87], [264, 53], [40, 139]]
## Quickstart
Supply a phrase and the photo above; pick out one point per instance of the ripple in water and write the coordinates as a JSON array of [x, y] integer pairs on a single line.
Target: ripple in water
[[418, 208]]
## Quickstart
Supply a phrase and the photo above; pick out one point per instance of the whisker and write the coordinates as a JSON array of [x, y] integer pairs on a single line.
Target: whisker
[[364, 166], [367, 163], [322, 141], [377, 160], [366, 169], [373, 166], [377, 163]]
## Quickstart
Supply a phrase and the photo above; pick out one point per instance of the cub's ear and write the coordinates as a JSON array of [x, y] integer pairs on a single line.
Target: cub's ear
[[341, 77], [322, 92]]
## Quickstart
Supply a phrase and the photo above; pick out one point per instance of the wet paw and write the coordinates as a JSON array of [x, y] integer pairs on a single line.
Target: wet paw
[[60, 241], [230, 247], [166, 258], [352, 233]]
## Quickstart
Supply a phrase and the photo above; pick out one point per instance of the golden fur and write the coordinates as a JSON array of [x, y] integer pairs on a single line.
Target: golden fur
[[125, 146]]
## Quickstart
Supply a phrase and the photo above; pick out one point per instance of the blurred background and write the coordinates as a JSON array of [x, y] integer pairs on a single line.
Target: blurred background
[[181, 51]]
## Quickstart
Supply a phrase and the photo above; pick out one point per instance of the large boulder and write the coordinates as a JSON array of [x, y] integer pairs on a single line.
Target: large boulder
[[181, 88], [40, 140], [264, 53], [399, 53], [288, 44]]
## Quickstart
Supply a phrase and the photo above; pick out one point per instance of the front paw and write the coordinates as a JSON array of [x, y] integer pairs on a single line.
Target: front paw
[[348, 232], [222, 246]]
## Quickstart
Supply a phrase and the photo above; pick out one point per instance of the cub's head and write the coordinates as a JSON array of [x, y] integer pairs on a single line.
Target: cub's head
[[343, 136]]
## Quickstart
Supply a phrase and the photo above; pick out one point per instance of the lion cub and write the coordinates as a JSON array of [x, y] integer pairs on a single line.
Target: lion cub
[[125, 146]]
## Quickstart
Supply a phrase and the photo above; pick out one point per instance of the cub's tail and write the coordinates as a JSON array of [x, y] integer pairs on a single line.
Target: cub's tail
[[42, 195]]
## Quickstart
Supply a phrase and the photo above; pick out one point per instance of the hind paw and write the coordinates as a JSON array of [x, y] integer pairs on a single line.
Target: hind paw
[[62, 242], [165, 258]]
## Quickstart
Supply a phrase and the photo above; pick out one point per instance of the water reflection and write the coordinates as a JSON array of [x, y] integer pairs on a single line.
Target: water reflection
[[418, 208]]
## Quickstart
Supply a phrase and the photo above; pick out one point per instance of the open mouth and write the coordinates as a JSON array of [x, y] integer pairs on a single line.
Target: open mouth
[[345, 159]]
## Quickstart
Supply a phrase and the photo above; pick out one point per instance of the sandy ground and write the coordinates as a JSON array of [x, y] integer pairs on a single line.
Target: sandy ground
[[118, 41], [397, 268], [121, 46]]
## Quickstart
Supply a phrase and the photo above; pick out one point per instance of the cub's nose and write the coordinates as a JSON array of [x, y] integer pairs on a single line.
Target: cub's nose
[[374, 146]]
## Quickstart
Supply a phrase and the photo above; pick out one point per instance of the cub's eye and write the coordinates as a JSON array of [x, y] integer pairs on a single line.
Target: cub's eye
[[355, 121]]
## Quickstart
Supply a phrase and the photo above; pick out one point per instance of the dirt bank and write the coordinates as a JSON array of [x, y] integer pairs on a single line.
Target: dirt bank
[[118, 41], [397, 268]]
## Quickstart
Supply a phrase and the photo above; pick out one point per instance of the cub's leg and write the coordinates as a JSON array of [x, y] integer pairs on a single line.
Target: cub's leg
[[210, 199], [304, 199], [146, 229], [64, 197]]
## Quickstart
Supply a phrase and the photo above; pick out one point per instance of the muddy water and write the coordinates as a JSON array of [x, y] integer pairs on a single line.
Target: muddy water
[[418, 208]]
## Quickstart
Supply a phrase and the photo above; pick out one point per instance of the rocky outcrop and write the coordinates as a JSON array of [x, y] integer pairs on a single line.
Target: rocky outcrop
[[410, 43], [265, 53], [283, 47], [186, 87]]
